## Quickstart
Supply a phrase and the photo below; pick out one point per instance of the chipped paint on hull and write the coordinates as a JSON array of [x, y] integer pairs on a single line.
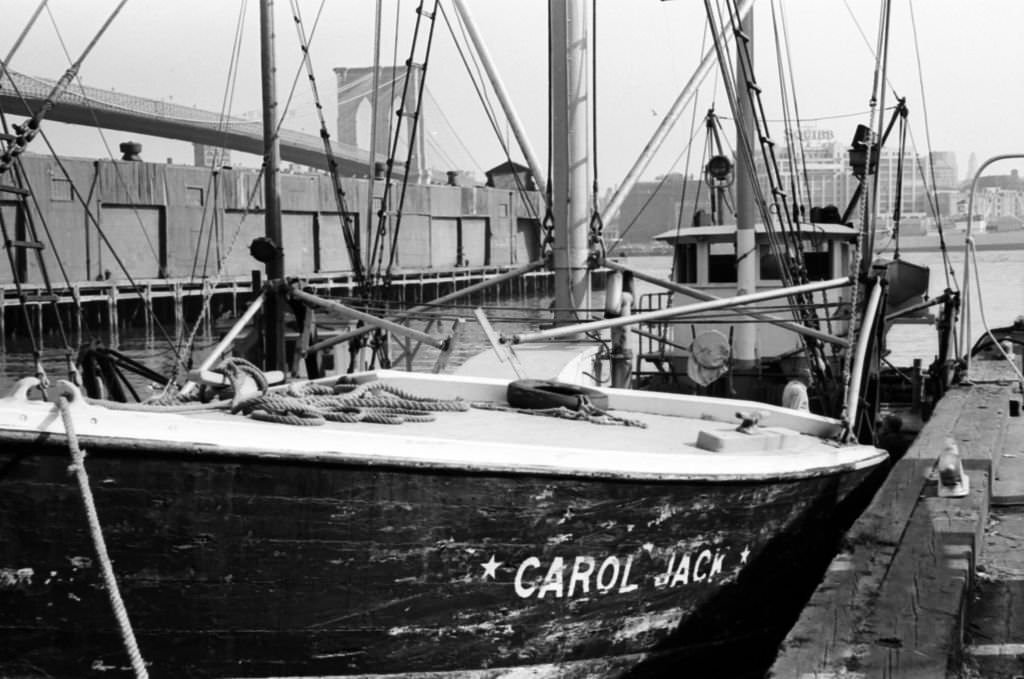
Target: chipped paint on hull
[[299, 569]]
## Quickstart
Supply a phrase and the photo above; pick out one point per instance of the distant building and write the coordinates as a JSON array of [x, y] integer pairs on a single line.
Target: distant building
[[819, 175], [210, 156], [511, 175]]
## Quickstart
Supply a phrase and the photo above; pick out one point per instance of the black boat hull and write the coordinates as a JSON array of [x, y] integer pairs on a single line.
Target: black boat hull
[[271, 568]]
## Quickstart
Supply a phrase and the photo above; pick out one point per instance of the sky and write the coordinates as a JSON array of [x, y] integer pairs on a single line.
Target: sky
[[963, 73]]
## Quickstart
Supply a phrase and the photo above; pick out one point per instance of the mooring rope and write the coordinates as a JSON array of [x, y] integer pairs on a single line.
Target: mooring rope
[[585, 411], [78, 467]]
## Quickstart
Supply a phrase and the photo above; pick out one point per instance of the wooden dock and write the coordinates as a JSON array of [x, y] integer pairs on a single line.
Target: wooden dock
[[118, 303], [923, 585]]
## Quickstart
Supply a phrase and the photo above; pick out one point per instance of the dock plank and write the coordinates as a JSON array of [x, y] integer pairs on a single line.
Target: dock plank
[[909, 551], [1008, 479]]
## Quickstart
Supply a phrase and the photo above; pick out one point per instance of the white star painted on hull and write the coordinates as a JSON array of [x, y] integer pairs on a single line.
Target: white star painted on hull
[[491, 568], [744, 554]]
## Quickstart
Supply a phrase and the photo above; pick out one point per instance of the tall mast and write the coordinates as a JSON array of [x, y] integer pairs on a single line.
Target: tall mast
[[274, 316], [745, 339], [570, 176]]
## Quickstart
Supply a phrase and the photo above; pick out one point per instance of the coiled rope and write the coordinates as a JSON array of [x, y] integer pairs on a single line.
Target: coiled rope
[[78, 467], [373, 402], [585, 412]]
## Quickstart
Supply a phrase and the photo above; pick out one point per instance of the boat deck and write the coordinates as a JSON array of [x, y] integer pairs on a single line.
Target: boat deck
[[682, 437]]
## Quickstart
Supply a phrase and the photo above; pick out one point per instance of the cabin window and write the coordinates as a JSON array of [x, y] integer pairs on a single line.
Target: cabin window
[[722, 263], [769, 263], [819, 265], [685, 264], [503, 209]]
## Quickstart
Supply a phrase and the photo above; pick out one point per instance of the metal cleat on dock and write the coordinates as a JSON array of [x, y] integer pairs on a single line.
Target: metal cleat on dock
[[950, 470]]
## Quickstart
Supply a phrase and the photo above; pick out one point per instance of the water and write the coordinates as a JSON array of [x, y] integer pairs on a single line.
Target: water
[[1000, 301]]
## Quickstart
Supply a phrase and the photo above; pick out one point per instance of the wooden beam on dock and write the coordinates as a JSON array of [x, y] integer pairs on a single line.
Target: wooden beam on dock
[[892, 602]]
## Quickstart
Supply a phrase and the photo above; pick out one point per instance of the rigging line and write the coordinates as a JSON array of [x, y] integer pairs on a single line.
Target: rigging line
[[745, 65], [933, 206], [351, 245], [488, 110], [661, 182], [454, 132], [793, 143], [878, 101], [222, 124], [413, 131], [796, 105], [767, 146], [31, 127], [178, 349], [488, 106], [438, 149], [91, 218], [376, 254], [117, 171], [21, 179], [24, 31], [928, 140], [394, 80], [686, 166], [729, 88]]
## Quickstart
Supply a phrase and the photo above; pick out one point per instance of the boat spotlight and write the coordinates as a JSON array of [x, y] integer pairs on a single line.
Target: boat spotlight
[[718, 171], [263, 249]]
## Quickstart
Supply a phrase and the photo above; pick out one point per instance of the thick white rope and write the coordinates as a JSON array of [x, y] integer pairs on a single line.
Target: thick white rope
[[78, 467]]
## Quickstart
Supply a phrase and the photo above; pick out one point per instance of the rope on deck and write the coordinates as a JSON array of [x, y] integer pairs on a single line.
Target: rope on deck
[[96, 531], [374, 402], [585, 412]]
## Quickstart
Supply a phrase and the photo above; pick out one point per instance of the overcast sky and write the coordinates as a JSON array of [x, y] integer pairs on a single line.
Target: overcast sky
[[970, 53]]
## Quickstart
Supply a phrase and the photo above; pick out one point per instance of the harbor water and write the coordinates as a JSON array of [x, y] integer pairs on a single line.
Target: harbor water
[[997, 298]]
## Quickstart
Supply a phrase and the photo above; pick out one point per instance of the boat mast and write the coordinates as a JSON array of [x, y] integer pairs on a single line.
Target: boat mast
[[274, 316], [745, 338], [570, 159]]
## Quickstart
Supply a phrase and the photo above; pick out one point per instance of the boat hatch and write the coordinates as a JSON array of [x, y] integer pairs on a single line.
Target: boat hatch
[[759, 439]]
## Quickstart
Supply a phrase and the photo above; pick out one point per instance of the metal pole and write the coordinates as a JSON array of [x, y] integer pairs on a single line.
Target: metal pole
[[570, 156], [745, 345], [965, 327], [483, 285], [860, 355], [701, 295], [369, 319], [274, 317], [228, 338], [539, 174], [670, 312]]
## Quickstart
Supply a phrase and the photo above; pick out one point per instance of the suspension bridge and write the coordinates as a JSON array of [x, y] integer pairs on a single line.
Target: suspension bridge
[[22, 94]]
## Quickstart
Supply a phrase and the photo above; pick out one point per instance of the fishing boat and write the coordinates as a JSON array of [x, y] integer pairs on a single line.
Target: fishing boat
[[395, 524]]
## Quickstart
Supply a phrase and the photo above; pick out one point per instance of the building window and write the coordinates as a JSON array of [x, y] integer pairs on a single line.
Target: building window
[[194, 195], [60, 189]]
